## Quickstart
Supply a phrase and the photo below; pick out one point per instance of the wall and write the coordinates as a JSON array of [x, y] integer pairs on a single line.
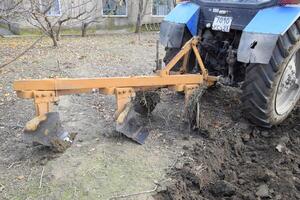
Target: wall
[[105, 22]]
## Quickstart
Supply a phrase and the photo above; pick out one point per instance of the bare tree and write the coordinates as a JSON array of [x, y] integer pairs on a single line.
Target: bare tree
[[90, 18], [60, 22], [10, 8], [142, 8], [82, 15], [40, 16], [86, 24], [143, 4]]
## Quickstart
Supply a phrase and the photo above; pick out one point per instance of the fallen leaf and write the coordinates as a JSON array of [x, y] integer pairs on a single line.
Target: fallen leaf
[[20, 177]]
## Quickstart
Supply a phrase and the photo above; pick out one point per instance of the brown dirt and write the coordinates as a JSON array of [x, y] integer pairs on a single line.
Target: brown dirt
[[228, 159], [235, 160], [101, 163]]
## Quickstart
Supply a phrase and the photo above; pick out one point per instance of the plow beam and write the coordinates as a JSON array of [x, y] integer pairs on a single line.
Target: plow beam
[[70, 86], [45, 92]]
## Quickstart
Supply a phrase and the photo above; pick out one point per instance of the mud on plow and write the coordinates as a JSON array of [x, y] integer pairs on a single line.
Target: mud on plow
[[134, 96]]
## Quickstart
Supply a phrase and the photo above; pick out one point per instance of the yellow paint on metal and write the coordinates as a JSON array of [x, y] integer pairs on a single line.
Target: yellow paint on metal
[[46, 91]]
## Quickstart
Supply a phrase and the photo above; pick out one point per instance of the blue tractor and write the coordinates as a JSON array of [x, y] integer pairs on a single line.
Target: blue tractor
[[249, 43]]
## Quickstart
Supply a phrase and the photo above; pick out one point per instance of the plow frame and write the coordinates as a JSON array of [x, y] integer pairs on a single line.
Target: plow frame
[[45, 92]]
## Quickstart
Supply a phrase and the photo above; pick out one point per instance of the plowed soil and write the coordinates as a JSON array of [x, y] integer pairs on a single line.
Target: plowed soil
[[235, 160]]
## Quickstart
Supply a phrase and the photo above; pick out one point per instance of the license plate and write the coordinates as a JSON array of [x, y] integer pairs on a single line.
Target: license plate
[[222, 23]]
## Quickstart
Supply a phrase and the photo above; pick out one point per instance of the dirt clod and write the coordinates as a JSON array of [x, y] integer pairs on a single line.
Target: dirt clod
[[223, 188], [262, 191], [145, 102]]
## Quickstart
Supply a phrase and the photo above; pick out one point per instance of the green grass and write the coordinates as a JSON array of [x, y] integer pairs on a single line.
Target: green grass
[[69, 31], [30, 31], [3, 26]]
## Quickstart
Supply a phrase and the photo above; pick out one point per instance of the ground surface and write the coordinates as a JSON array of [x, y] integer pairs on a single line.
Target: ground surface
[[235, 160], [228, 159], [5, 32], [100, 164]]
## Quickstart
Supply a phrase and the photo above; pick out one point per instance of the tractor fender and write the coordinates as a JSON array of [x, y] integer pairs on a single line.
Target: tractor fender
[[260, 36], [185, 14]]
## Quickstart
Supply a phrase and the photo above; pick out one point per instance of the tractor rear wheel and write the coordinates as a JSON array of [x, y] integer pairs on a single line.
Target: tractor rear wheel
[[270, 92]]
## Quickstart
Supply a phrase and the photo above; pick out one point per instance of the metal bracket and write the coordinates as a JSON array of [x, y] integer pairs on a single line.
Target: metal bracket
[[199, 59], [43, 101], [123, 96], [188, 90], [184, 53], [184, 67]]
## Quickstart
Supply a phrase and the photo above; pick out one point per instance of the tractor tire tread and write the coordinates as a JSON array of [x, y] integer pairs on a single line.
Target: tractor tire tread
[[260, 80]]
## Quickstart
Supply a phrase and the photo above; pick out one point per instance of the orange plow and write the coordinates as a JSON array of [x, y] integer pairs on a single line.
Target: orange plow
[[45, 92]]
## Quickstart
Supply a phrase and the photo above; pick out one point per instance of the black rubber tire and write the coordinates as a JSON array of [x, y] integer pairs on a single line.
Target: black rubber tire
[[145, 102], [261, 81]]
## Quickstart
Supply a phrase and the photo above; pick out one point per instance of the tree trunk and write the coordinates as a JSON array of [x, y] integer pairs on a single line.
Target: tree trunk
[[58, 31], [84, 29], [52, 36], [139, 17], [138, 25]]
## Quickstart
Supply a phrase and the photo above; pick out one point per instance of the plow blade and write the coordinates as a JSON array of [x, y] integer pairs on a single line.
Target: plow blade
[[129, 123], [48, 131]]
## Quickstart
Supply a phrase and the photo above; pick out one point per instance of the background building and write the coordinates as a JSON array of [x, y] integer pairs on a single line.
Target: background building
[[105, 14]]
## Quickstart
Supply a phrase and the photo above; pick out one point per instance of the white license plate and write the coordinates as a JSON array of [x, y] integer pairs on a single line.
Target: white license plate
[[222, 23]]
